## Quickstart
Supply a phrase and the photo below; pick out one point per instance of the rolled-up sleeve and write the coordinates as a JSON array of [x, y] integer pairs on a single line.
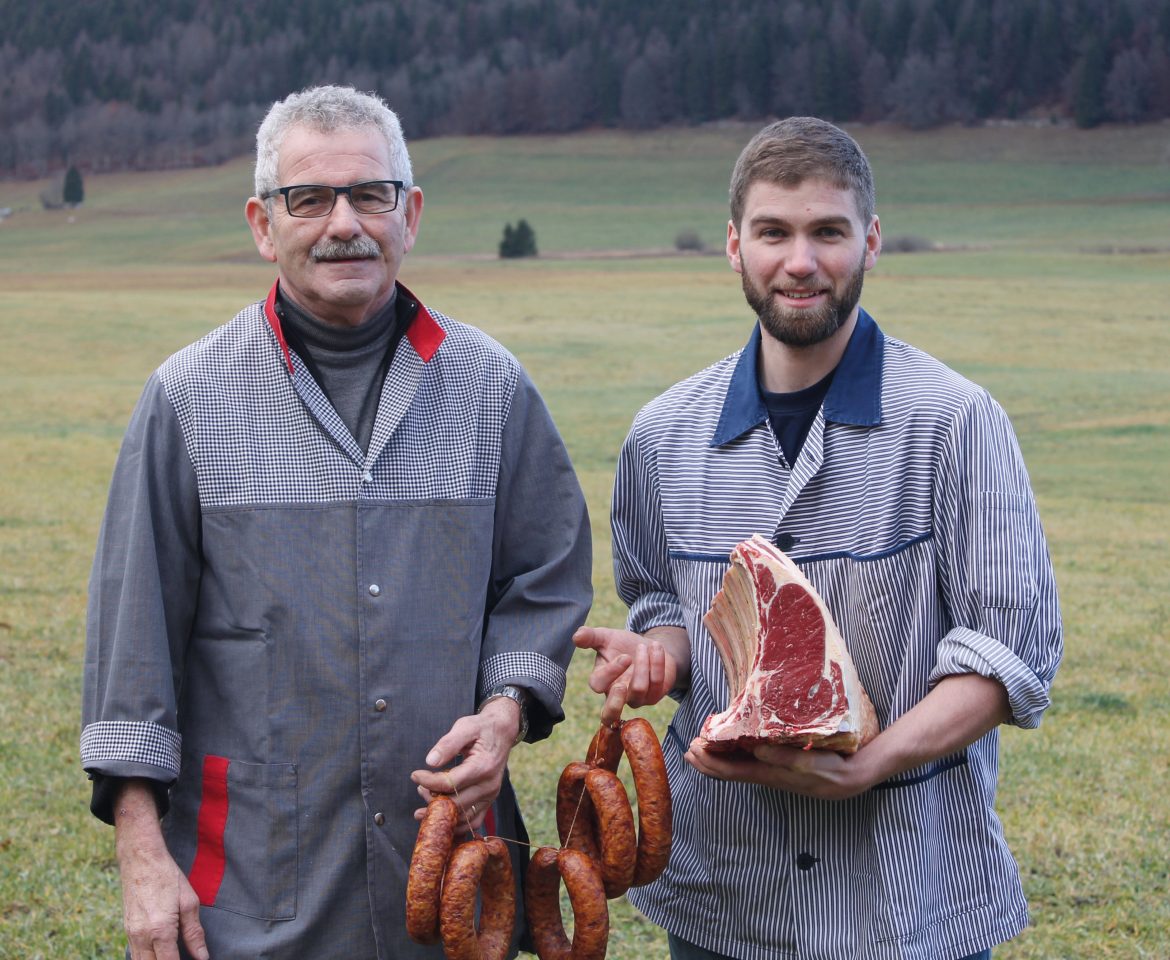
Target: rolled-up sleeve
[[995, 572], [542, 566]]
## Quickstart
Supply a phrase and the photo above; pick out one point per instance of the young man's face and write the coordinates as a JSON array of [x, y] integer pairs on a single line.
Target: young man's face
[[340, 267], [802, 253]]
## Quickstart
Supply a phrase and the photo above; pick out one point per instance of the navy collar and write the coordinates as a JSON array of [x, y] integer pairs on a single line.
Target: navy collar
[[854, 397]]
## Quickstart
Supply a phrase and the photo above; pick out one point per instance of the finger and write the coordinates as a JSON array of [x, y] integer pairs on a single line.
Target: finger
[[477, 777], [777, 755], [164, 950], [462, 733], [431, 782], [615, 701], [586, 638], [719, 765], [606, 672], [193, 935], [657, 666], [601, 639], [640, 677]]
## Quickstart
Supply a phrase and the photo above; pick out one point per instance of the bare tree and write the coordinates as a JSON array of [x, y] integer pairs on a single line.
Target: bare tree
[[1126, 86]]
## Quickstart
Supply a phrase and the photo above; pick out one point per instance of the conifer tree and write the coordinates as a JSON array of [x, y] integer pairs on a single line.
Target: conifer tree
[[74, 191]]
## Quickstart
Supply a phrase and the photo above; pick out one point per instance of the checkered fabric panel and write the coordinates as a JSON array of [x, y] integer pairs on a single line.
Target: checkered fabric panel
[[131, 742], [508, 667], [258, 435]]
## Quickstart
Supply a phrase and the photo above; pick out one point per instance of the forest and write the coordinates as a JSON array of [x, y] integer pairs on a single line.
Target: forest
[[148, 84]]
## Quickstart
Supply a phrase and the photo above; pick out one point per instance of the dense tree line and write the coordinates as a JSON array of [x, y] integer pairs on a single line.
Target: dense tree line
[[157, 83]]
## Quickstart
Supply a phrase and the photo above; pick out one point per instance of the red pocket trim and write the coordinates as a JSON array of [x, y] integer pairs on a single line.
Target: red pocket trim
[[207, 870]]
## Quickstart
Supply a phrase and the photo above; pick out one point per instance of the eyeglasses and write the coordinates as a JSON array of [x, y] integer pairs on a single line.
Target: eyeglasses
[[317, 199]]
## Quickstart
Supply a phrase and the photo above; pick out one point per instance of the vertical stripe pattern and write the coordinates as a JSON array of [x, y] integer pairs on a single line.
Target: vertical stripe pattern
[[918, 527]]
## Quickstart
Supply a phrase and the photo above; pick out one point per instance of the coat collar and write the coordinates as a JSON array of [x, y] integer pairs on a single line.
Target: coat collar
[[855, 396], [424, 332]]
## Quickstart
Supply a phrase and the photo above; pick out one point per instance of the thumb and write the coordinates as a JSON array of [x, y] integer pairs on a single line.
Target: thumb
[[587, 638], [193, 935]]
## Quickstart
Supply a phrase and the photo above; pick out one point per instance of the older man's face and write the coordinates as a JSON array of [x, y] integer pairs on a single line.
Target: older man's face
[[341, 268]]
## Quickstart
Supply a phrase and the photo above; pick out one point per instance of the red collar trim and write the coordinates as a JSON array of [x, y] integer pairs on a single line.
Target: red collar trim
[[424, 332], [274, 322]]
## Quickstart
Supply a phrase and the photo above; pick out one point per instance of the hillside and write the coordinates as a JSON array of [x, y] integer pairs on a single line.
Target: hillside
[[177, 83]]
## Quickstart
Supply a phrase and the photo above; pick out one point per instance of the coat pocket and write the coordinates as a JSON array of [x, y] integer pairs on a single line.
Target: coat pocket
[[1004, 562], [234, 825]]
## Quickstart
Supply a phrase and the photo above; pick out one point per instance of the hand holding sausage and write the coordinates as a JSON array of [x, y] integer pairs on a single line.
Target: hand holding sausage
[[484, 739], [635, 669]]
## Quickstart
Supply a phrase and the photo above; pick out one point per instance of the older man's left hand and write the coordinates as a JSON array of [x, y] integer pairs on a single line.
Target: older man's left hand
[[484, 740]]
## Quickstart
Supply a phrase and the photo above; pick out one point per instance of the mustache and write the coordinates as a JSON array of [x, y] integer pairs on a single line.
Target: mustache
[[359, 248]]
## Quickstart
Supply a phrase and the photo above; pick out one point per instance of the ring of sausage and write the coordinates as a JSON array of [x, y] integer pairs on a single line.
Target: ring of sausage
[[586, 896], [605, 749], [424, 880], [615, 830], [576, 818], [482, 866], [653, 792]]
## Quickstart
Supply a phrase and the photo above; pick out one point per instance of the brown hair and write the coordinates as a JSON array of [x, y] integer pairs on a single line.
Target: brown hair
[[788, 152]]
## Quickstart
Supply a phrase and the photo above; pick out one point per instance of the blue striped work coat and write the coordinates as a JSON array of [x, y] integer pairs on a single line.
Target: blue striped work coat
[[910, 511]]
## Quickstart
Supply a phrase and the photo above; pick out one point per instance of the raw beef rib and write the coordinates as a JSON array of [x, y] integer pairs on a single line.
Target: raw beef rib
[[788, 671]]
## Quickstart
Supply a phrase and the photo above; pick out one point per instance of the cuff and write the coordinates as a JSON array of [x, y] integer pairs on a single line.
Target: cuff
[[965, 651], [106, 791]]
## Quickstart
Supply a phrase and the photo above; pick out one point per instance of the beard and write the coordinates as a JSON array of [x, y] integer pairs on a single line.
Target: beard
[[803, 328]]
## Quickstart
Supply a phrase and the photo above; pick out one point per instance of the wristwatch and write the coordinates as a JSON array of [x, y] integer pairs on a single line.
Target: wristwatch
[[512, 693]]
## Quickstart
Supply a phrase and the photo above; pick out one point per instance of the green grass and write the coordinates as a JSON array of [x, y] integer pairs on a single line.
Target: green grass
[[1073, 343]]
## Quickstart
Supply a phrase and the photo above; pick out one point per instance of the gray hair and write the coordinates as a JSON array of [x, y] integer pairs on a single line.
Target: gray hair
[[788, 152], [325, 110]]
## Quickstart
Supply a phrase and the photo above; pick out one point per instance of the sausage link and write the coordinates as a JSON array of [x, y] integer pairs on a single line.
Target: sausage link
[[615, 822], [576, 818], [586, 894], [590, 911], [653, 792], [542, 905], [486, 867], [457, 902], [424, 879], [605, 749], [497, 911]]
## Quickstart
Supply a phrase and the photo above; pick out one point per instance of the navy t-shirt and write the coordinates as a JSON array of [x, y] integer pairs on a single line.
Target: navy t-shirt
[[792, 414]]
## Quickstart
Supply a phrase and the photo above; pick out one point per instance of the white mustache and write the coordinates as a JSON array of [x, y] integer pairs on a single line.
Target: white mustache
[[359, 248]]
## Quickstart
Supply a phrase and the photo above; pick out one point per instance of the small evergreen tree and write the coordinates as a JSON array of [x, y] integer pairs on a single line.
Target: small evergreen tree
[[525, 240], [74, 192], [518, 241], [508, 243], [1089, 86]]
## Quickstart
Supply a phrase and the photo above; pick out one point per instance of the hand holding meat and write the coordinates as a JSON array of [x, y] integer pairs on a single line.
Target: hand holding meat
[[634, 669], [824, 774], [484, 740]]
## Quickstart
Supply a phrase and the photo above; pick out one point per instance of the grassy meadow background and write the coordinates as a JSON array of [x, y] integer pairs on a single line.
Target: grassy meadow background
[[1051, 286]]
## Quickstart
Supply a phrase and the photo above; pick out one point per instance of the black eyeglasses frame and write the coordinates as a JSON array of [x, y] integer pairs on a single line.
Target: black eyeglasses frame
[[399, 187]]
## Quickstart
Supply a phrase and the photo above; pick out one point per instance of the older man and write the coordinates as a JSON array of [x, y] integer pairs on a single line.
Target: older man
[[898, 488], [342, 559]]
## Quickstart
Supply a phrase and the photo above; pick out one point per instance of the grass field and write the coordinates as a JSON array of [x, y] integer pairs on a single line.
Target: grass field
[[1051, 287]]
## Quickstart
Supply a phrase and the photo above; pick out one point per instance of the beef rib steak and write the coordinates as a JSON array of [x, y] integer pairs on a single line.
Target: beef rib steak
[[789, 673]]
